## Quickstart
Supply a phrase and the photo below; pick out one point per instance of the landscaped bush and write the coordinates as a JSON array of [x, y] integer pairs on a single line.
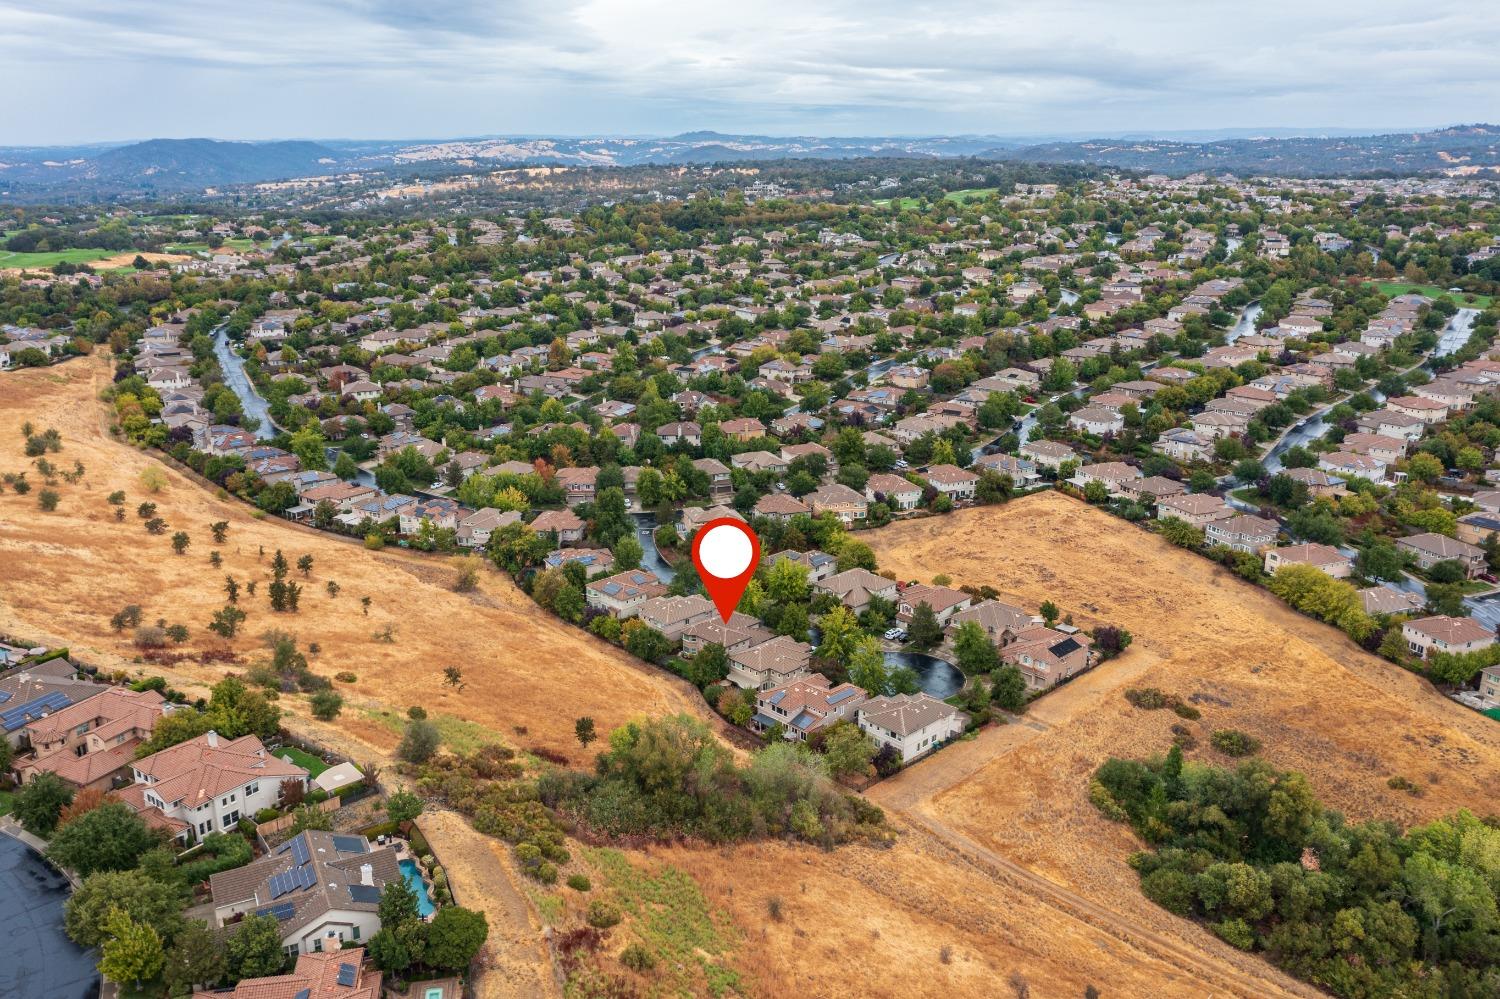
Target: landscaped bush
[[579, 882], [602, 914]]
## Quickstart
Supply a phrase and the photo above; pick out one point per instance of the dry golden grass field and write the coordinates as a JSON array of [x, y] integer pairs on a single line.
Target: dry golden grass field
[[1001, 870]]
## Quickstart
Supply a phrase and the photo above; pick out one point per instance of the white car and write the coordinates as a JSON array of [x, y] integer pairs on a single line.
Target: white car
[[895, 635]]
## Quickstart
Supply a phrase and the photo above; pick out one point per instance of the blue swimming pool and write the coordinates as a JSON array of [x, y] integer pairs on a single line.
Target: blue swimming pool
[[413, 875]]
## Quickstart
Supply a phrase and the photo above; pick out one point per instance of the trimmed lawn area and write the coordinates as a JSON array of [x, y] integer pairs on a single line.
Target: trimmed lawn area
[[1394, 288], [970, 194], [50, 259], [7, 802], [306, 761]]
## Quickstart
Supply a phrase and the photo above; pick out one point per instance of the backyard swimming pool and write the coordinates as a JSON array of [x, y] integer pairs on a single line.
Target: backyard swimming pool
[[413, 875]]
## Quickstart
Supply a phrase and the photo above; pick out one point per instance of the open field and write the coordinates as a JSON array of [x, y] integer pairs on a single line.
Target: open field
[[1394, 288], [1347, 719], [228, 246], [526, 674], [970, 194]]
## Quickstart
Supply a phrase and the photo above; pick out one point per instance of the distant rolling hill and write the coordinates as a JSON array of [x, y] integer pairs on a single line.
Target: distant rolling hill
[[175, 166]]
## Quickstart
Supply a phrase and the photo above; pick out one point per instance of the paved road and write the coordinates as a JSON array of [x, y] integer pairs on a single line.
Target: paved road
[[233, 367]]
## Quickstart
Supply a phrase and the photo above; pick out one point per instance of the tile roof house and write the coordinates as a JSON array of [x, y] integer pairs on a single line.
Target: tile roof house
[[1325, 558], [1431, 548], [740, 632], [35, 690], [323, 888], [207, 784], [674, 615], [944, 601], [819, 565], [1245, 533], [337, 974], [804, 706], [1440, 633], [911, 724], [855, 587], [839, 500], [1198, 509], [1046, 656], [779, 506], [769, 664], [1388, 600], [623, 593], [565, 523], [87, 743], [1001, 622]]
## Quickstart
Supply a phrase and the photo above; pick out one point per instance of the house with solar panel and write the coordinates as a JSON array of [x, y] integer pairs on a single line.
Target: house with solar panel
[[329, 975], [1047, 656], [89, 743], [207, 784], [805, 706], [35, 691], [323, 889]]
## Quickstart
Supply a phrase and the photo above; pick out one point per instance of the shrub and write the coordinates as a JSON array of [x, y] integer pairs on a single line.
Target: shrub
[[602, 915], [1235, 932], [1146, 698], [637, 958], [1187, 711], [1232, 742], [374, 542], [345, 676], [1172, 890], [1399, 783], [416, 713], [579, 882]]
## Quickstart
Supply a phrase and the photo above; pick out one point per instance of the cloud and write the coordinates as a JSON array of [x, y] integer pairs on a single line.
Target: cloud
[[99, 69]]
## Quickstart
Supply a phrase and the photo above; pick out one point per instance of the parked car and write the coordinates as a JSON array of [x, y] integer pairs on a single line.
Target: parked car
[[895, 635]]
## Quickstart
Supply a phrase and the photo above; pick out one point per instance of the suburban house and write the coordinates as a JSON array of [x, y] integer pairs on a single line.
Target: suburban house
[[1001, 622], [564, 523], [1109, 473], [770, 664], [804, 706], [1478, 527], [38, 690], [855, 587], [1430, 549], [1048, 454], [1321, 557], [780, 506], [673, 615], [322, 888], [1198, 509], [839, 500], [1244, 533], [475, 529], [1440, 633], [944, 602], [334, 974], [911, 724], [1388, 600], [1096, 420], [88, 743], [1046, 656], [720, 480], [956, 483], [819, 565], [623, 593], [1489, 686], [901, 495], [740, 632], [207, 784]]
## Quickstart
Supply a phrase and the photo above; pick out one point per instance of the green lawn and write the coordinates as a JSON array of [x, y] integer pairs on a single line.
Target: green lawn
[[1394, 288], [7, 802], [907, 204], [306, 761], [971, 194], [52, 258]]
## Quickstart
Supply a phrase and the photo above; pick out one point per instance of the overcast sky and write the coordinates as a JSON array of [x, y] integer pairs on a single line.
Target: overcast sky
[[95, 70]]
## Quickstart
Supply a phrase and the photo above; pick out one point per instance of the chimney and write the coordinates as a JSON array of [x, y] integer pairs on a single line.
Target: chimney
[[367, 874], [213, 739]]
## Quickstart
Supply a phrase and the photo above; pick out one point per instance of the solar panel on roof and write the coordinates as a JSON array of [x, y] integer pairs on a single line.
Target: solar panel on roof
[[303, 994], [21, 714], [299, 850], [364, 893], [282, 912], [842, 695], [347, 973], [349, 844], [4, 697], [776, 697]]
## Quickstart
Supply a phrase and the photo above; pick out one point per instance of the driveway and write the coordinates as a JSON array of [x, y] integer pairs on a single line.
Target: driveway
[[39, 960]]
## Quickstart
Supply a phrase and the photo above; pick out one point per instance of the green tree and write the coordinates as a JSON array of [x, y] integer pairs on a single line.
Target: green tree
[[1008, 688], [253, 950], [111, 837], [40, 801], [848, 749], [975, 653], [923, 631], [155, 903], [196, 958], [628, 553], [786, 581], [326, 705], [403, 806], [867, 669], [398, 903], [583, 728], [132, 951], [841, 634], [454, 936], [419, 742]]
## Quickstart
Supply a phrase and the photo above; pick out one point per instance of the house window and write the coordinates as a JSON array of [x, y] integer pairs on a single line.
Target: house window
[[434, 994], [354, 933], [251, 789], [291, 949]]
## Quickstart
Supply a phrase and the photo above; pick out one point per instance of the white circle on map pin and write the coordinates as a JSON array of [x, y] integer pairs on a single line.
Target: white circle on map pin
[[725, 552]]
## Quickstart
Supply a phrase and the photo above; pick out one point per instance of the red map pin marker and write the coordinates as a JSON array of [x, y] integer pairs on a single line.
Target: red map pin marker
[[726, 552]]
